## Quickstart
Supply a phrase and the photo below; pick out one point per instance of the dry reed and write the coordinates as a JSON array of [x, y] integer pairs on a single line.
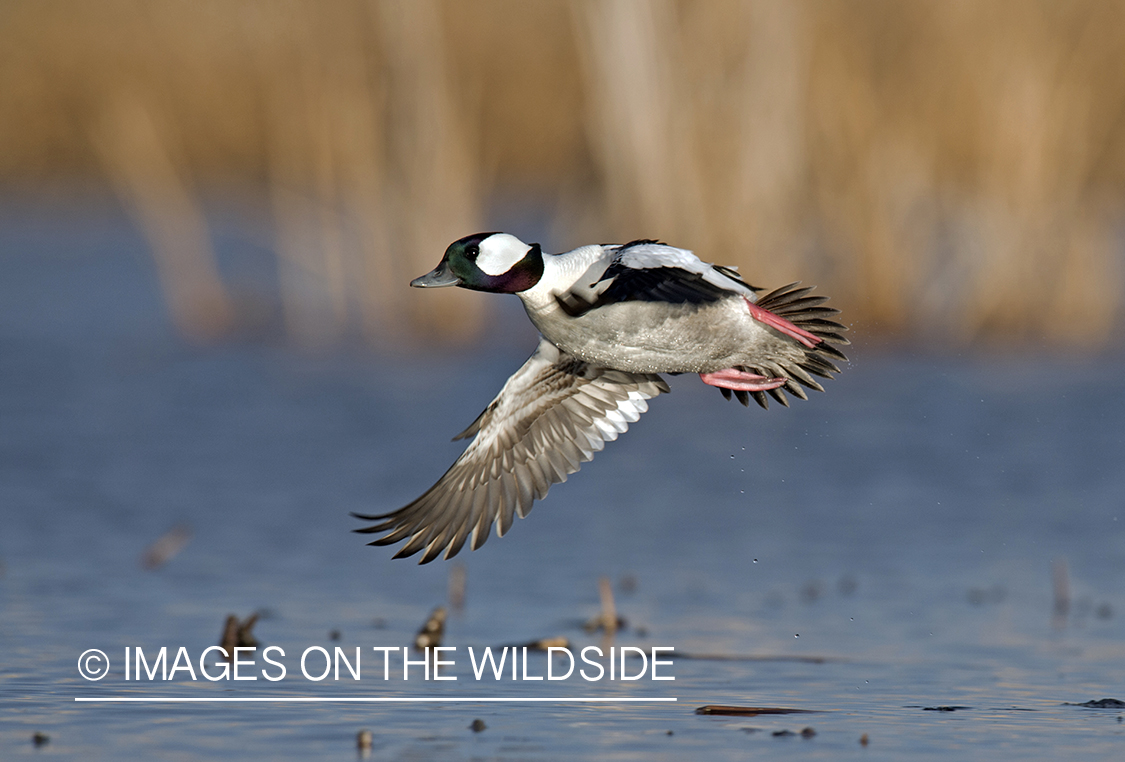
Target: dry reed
[[951, 170]]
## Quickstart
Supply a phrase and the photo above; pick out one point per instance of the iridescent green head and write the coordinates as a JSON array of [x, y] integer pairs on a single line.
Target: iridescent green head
[[487, 262]]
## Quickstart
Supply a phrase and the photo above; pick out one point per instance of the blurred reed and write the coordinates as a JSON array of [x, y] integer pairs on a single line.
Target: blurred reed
[[144, 168], [949, 170]]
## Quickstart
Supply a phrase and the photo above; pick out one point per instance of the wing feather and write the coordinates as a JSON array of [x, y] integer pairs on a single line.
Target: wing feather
[[550, 417]]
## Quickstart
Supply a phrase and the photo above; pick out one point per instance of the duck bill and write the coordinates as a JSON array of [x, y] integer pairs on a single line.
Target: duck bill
[[440, 276]]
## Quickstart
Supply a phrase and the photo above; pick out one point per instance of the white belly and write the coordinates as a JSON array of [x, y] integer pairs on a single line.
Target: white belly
[[654, 337]]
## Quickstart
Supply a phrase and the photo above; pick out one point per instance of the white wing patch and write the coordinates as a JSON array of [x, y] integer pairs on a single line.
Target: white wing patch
[[643, 256], [499, 252]]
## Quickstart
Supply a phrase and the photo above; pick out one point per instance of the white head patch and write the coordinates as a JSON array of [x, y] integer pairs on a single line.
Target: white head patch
[[499, 252]]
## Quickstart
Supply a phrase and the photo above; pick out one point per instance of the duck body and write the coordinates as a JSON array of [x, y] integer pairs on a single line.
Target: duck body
[[612, 318], [647, 325]]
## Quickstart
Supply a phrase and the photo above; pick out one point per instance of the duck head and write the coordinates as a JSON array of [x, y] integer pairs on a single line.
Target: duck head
[[487, 262]]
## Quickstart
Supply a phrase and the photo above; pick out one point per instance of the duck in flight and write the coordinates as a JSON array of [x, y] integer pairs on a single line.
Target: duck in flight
[[611, 319]]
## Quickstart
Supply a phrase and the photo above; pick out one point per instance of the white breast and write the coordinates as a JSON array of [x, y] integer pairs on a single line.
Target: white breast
[[562, 271]]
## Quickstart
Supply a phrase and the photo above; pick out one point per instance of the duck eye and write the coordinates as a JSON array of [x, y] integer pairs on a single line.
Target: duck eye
[[472, 253]]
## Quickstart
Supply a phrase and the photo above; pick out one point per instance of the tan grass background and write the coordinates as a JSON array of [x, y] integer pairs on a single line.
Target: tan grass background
[[947, 170]]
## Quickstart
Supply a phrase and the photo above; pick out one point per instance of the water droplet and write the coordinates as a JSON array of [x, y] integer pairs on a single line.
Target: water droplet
[[755, 560], [796, 634]]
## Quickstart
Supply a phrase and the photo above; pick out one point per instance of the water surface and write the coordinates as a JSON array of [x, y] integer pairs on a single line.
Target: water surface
[[902, 526]]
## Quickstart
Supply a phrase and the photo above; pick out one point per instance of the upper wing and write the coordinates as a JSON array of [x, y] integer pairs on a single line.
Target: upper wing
[[551, 416], [651, 271]]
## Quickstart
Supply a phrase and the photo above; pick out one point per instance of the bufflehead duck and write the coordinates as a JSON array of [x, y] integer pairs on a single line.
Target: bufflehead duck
[[611, 318]]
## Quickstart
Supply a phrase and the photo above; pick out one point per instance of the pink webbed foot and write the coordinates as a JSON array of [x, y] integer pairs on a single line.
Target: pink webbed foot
[[740, 381], [783, 325]]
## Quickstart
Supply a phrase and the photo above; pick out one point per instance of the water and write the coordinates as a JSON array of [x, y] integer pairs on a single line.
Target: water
[[902, 526]]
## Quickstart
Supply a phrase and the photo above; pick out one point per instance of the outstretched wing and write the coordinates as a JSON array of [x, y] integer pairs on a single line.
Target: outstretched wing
[[650, 271], [551, 416]]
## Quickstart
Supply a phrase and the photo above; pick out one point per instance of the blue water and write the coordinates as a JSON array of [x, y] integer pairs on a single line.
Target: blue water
[[902, 526]]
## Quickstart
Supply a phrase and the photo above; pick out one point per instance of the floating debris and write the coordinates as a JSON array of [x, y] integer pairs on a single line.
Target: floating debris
[[478, 725], [238, 634], [783, 733], [669, 733], [364, 740], [1106, 703], [609, 607], [607, 619], [807, 733], [166, 547], [432, 631], [40, 739], [598, 623], [944, 708], [457, 579], [863, 740], [748, 711]]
